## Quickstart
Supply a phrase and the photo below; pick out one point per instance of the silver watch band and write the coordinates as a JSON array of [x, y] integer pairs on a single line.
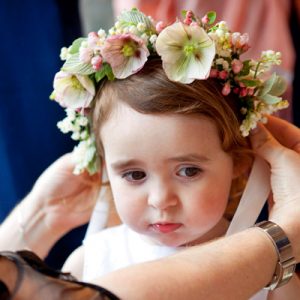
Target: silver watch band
[[286, 264]]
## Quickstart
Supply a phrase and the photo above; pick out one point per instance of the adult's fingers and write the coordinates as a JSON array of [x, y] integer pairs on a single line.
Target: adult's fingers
[[286, 133], [264, 144]]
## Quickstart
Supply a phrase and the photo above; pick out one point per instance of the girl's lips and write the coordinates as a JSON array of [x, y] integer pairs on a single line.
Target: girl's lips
[[165, 227]]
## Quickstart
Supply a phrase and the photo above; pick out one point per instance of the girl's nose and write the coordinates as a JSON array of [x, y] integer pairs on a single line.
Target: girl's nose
[[162, 196]]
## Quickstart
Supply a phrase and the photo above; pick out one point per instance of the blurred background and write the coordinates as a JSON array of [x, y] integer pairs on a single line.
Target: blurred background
[[33, 33]]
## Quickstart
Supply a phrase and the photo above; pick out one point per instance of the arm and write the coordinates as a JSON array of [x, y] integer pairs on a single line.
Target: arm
[[74, 263], [236, 266], [281, 130], [58, 202]]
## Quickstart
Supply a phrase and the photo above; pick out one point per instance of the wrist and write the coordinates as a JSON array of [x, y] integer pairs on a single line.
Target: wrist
[[35, 234], [286, 263], [291, 228]]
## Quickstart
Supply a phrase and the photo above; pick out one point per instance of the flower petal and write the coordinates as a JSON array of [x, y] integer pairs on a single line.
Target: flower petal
[[124, 65], [187, 52]]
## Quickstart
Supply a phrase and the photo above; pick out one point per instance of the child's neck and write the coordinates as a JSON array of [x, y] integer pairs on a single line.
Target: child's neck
[[216, 232]]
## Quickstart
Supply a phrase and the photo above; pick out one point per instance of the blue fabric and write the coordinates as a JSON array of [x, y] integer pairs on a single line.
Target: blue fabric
[[32, 33], [31, 39]]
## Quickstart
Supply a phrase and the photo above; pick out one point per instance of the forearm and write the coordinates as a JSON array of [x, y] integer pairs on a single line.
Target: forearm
[[35, 234], [237, 266]]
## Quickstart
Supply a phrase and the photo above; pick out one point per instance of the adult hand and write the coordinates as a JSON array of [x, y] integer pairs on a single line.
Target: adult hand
[[278, 142], [67, 199]]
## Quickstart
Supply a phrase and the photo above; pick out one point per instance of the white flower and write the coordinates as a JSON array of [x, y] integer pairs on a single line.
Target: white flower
[[186, 51], [101, 33], [141, 27], [64, 53], [72, 90], [75, 136], [153, 39]]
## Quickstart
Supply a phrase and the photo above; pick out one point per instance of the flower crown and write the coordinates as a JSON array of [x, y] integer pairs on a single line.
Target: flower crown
[[190, 49]]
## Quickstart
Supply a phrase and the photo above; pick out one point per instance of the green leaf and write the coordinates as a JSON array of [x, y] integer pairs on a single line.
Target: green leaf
[[76, 45], [134, 16], [250, 82], [183, 13], [270, 99], [267, 86], [74, 66], [279, 86], [246, 68], [109, 73], [104, 71], [100, 74], [93, 166], [211, 17]]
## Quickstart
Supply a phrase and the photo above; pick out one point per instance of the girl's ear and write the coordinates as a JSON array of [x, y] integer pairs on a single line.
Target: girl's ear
[[242, 164]]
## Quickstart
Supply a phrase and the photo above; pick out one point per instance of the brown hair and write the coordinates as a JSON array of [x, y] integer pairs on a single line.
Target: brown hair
[[151, 92]]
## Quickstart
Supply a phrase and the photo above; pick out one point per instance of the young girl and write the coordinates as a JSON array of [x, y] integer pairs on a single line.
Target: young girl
[[174, 148]]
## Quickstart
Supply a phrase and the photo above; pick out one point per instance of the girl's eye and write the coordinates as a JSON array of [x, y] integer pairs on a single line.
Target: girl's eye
[[134, 175], [189, 172]]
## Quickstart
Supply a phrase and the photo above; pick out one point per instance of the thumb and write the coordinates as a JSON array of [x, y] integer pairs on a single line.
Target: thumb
[[265, 145]]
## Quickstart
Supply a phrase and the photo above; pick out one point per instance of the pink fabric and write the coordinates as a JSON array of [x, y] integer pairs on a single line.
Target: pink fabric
[[267, 23]]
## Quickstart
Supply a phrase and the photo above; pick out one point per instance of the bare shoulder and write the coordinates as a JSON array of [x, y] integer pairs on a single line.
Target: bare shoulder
[[74, 263]]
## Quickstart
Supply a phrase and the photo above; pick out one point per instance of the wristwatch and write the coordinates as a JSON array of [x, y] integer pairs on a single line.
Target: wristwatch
[[286, 264]]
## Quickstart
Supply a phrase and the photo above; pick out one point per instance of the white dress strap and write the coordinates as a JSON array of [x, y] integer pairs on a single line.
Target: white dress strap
[[253, 199]]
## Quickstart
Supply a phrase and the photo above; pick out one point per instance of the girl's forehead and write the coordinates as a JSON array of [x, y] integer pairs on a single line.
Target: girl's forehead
[[123, 116], [130, 128]]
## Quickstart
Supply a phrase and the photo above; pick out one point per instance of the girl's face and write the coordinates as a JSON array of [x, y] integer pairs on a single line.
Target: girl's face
[[170, 177]]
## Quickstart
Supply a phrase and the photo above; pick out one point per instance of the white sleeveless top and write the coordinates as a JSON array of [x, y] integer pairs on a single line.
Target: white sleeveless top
[[118, 247]]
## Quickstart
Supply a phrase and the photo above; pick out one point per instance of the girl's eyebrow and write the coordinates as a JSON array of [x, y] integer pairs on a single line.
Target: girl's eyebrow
[[123, 164], [192, 157]]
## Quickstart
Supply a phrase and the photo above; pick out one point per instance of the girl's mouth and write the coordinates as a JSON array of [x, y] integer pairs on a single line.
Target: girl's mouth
[[165, 227]]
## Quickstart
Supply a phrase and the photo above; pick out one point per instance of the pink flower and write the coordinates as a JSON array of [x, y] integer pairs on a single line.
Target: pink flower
[[237, 66], [205, 19], [226, 89], [214, 73], [244, 39], [188, 18], [93, 39], [85, 54], [96, 62], [236, 90], [240, 41], [245, 47], [223, 74], [243, 92], [250, 91], [160, 26], [125, 53]]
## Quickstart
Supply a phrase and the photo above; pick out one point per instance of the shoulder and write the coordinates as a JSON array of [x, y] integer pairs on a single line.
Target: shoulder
[[95, 248], [74, 263]]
